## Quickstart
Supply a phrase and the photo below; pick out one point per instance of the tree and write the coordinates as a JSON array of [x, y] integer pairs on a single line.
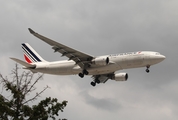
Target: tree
[[16, 106]]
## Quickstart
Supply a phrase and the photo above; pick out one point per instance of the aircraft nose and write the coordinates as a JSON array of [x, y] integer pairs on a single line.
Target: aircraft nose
[[157, 58], [161, 57]]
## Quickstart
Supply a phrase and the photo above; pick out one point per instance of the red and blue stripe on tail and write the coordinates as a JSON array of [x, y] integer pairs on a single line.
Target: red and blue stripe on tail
[[30, 55]]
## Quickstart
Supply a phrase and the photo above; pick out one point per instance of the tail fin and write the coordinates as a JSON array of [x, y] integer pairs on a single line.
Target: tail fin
[[30, 55]]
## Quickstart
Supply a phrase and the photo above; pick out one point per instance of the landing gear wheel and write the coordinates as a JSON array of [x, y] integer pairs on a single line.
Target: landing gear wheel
[[81, 75], [93, 84], [147, 70], [97, 81], [85, 72]]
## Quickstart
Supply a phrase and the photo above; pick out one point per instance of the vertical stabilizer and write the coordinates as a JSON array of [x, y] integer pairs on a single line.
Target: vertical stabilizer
[[30, 55]]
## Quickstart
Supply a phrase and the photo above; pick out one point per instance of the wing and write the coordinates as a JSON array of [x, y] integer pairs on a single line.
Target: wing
[[80, 58]]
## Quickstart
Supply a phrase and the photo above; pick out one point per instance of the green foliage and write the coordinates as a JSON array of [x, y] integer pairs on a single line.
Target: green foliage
[[16, 106]]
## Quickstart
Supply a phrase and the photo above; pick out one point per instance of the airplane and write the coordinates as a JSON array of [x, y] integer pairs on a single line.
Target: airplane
[[101, 68]]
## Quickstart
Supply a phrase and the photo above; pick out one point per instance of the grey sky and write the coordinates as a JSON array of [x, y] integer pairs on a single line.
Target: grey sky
[[98, 28]]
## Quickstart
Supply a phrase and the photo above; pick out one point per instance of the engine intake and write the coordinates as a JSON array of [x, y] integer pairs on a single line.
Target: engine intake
[[101, 61], [120, 77]]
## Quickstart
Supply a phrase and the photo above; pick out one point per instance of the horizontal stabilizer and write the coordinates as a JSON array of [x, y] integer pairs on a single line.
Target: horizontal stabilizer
[[23, 63]]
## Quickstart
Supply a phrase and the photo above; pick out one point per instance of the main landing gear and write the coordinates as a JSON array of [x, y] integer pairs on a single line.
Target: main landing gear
[[147, 69], [84, 72], [93, 83]]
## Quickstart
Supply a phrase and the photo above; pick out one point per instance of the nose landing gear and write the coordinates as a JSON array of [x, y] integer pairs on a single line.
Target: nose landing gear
[[147, 69]]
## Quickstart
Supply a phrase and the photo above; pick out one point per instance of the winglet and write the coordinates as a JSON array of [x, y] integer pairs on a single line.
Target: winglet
[[31, 31]]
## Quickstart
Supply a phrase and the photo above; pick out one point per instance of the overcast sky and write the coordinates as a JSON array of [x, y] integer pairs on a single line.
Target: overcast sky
[[100, 27]]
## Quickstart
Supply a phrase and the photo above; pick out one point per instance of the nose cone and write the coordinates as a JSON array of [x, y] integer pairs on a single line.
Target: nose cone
[[157, 59], [162, 57]]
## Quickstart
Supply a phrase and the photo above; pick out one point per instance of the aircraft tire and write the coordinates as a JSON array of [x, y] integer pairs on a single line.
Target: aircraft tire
[[147, 70], [97, 81], [85, 72], [81, 75], [93, 84]]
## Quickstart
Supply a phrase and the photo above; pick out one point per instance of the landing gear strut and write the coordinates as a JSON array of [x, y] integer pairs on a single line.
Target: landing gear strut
[[147, 69]]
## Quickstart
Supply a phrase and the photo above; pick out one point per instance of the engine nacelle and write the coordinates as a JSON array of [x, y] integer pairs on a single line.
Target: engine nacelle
[[100, 61], [120, 77]]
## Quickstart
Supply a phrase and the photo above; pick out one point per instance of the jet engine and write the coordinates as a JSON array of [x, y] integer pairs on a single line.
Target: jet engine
[[100, 61], [120, 77]]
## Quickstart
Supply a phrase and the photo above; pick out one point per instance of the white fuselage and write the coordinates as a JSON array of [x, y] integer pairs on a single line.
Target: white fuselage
[[116, 62]]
